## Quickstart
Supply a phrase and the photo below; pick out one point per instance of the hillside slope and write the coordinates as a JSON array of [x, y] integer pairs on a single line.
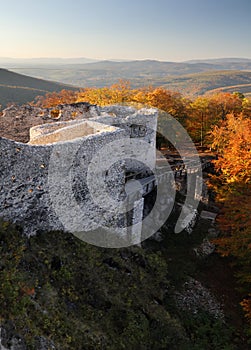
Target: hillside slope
[[20, 88], [243, 88], [200, 83]]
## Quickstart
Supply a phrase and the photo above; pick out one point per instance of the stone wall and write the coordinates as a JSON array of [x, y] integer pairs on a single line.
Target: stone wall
[[59, 181], [65, 131], [140, 129]]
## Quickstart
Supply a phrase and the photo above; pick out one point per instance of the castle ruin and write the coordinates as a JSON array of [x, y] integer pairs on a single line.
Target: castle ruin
[[45, 183]]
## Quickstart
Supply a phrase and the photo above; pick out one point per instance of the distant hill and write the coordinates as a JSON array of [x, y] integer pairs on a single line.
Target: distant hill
[[190, 78], [193, 77], [222, 61], [20, 88], [109, 72], [8, 62]]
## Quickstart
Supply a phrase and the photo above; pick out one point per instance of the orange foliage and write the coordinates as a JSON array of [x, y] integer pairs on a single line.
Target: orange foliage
[[246, 304], [27, 290], [232, 141], [52, 99], [227, 103], [168, 101], [117, 93], [197, 116], [206, 111]]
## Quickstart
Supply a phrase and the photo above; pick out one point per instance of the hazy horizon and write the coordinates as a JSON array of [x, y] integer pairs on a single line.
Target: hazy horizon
[[123, 59]]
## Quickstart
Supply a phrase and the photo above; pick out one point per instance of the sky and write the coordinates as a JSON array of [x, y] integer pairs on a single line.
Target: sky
[[168, 30]]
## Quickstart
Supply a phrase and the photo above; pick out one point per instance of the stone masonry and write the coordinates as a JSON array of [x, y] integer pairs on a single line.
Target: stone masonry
[[53, 182]]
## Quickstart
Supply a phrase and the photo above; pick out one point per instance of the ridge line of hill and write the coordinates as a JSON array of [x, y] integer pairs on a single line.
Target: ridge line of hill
[[19, 88]]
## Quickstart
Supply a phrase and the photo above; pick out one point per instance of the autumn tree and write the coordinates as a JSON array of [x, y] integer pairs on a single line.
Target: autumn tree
[[232, 143], [53, 99], [116, 93], [227, 103], [166, 100], [197, 121]]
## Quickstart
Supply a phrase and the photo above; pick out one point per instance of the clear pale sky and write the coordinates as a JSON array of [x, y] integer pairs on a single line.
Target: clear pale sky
[[171, 30]]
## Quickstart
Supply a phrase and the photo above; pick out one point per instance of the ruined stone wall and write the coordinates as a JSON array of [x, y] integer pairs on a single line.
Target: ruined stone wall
[[54, 182], [26, 196], [140, 127], [65, 131]]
